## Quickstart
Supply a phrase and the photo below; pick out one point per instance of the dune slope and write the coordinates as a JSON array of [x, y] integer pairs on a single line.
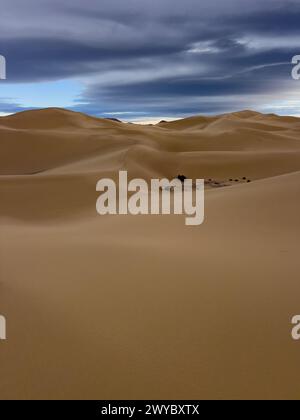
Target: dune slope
[[123, 307]]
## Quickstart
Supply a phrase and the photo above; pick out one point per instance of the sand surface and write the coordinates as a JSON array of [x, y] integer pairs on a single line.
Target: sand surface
[[124, 307]]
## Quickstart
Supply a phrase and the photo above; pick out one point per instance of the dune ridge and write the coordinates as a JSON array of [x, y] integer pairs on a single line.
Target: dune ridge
[[37, 141]]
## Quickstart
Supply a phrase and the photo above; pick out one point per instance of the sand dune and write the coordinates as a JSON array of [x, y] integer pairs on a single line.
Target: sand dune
[[145, 307]]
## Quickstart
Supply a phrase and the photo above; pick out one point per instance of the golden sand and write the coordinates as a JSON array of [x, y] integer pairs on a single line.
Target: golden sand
[[124, 307]]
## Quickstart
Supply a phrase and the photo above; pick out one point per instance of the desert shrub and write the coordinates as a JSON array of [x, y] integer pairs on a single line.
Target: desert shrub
[[181, 178]]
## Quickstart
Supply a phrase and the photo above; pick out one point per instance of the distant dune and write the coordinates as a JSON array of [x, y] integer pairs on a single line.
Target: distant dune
[[124, 307]]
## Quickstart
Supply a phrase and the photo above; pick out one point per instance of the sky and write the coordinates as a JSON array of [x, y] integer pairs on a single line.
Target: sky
[[146, 60]]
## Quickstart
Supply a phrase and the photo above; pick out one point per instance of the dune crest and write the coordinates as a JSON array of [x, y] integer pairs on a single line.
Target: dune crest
[[53, 138], [52, 118]]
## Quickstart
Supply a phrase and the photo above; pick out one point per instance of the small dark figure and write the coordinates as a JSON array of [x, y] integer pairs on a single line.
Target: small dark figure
[[248, 180], [236, 180], [244, 178], [181, 178], [231, 180]]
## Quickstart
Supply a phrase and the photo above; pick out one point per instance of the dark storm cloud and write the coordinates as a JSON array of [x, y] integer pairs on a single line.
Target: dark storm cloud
[[199, 88], [33, 60], [159, 56], [174, 96], [283, 19]]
